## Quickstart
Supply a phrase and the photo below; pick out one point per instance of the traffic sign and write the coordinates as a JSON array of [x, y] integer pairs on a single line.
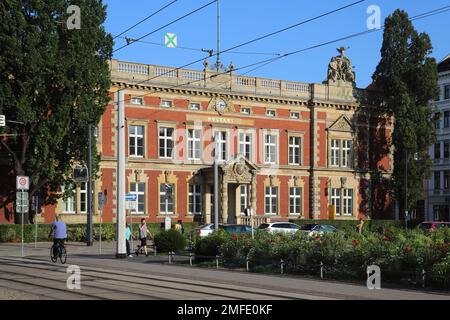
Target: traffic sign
[[22, 183], [170, 40], [2, 120], [99, 200], [80, 174], [22, 202], [130, 205], [130, 197]]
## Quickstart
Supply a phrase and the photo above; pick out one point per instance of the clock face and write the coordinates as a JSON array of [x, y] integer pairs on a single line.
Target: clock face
[[221, 105]]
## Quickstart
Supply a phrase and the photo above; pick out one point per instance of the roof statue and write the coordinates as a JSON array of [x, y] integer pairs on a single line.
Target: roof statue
[[340, 69]]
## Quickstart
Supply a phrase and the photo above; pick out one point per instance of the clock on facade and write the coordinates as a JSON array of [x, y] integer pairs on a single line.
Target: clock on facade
[[221, 105]]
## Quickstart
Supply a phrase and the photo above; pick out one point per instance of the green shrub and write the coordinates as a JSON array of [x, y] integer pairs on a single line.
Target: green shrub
[[209, 245], [170, 240]]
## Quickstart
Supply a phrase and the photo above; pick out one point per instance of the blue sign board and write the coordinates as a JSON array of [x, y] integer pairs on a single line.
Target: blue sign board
[[130, 197], [100, 200]]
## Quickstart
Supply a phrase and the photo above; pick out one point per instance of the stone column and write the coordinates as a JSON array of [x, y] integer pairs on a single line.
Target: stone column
[[224, 201], [206, 203]]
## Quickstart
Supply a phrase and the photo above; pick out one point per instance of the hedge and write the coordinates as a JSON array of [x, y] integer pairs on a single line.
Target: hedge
[[75, 232], [369, 225]]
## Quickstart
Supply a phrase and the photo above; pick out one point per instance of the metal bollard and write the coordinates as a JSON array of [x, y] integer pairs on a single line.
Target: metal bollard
[[170, 257], [190, 258], [321, 270], [424, 277], [282, 266], [247, 261], [217, 262], [154, 251]]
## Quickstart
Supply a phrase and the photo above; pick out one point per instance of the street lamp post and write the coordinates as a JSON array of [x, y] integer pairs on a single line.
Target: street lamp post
[[406, 190]]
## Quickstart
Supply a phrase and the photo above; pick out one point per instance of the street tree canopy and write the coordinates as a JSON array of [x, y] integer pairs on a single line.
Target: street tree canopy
[[407, 77], [54, 82]]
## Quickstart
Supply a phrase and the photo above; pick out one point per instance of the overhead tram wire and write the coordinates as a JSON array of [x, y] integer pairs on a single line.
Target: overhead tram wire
[[265, 62], [146, 18], [168, 24], [201, 50], [250, 41]]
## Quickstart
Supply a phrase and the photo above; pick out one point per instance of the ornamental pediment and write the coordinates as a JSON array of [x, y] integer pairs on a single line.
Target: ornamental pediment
[[341, 124], [239, 170]]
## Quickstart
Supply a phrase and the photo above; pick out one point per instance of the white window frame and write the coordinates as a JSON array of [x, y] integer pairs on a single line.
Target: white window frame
[[137, 101], [166, 202], [243, 144], [271, 113], [192, 200], [83, 194], [347, 199], [166, 103], [271, 198], [246, 110], [222, 144], [166, 139], [296, 197], [336, 199], [134, 189], [346, 146], [69, 203], [194, 144], [292, 148], [191, 104], [294, 115], [267, 148], [335, 152], [243, 197], [135, 137]]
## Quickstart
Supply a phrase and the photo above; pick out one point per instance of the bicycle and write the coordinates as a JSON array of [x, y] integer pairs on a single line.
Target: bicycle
[[58, 251]]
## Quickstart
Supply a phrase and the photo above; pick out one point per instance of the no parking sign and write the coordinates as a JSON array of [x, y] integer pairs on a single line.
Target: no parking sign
[[22, 183]]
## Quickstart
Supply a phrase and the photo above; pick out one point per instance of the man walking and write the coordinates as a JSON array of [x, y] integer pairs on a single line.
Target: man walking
[[128, 238], [143, 231]]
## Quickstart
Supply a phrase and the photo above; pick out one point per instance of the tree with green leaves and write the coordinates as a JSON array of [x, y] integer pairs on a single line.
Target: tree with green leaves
[[54, 82], [407, 77]]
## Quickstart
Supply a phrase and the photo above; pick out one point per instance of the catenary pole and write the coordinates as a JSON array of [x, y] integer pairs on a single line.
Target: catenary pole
[[121, 214], [89, 239], [216, 182]]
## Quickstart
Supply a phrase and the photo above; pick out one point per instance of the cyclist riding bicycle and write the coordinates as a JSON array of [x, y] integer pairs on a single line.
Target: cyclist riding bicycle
[[59, 230]]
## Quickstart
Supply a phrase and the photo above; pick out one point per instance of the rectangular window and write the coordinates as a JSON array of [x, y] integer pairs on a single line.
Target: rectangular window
[[243, 198], [166, 103], [245, 145], [221, 145], [270, 113], [335, 151], [138, 101], [166, 198], [336, 199], [446, 119], [294, 150], [194, 106], [437, 120], [446, 149], [294, 115], [271, 200], [437, 150], [139, 190], [136, 141], [83, 197], [295, 200], [270, 149], [348, 202], [446, 179], [437, 180], [346, 153], [245, 111], [194, 144], [165, 143], [69, 201], [195, 199], [447, 92]]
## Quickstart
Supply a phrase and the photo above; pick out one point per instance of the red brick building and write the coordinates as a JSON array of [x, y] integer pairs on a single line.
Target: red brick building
[[287, 150]]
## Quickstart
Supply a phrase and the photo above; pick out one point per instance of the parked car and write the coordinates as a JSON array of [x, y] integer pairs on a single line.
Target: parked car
[[433, 225], [285, 227], [314, 229], [236, 228], [204, 230]]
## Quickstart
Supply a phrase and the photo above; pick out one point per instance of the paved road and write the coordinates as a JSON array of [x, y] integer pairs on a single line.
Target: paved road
[[104, 277]]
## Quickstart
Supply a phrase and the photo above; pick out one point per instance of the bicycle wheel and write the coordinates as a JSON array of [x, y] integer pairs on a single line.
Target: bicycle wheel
[[63, 255], [53, 256]]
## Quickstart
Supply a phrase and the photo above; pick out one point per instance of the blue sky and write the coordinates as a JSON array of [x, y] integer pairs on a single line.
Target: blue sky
[[243, 20]]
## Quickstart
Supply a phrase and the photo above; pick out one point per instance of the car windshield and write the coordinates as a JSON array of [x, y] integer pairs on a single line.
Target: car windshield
[[263, 226], [308, 226]]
